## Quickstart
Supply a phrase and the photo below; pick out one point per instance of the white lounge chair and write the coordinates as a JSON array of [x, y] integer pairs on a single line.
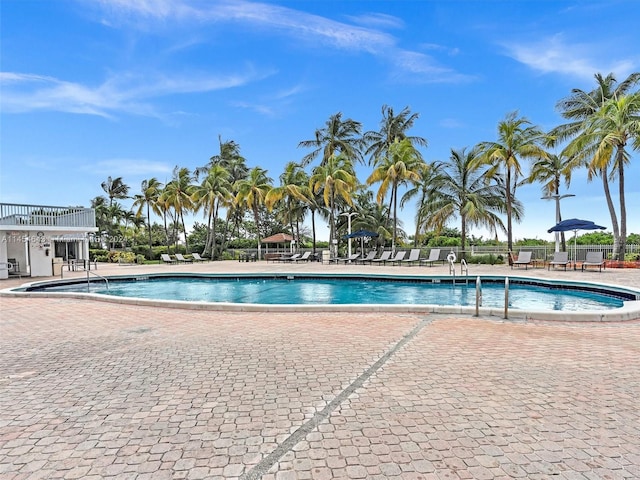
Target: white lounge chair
[[434, 256], [346, 260], [383, 258], [370, 256], [414, 257], [197, 258], [398, 258], [166, 258], [181, 259], [560, 259], [524, 258], [594, 259], [304, 258]]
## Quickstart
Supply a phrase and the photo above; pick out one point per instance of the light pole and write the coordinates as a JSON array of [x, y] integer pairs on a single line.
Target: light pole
[[557, 198], [349, 215]]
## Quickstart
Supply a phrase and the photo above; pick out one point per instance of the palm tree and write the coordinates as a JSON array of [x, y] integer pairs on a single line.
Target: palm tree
[[177, 196], [336, 138], [252, 193], [401, 165], [517, 138], [150, 193], [335, 178], [604, 139], [210, 195], [463, 191], [115, 188], [551, 171], [580, 107], [425, 188], [291, 192], [393, 128]]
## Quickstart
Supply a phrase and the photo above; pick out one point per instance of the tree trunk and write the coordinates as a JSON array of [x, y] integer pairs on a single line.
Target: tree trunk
[[394, 199], [150, 238], [612, 213], [623, 206], [313, 229], [509, 212]]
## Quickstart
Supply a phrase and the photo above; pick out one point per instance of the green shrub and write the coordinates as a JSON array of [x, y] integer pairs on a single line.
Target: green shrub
[[489, 259]]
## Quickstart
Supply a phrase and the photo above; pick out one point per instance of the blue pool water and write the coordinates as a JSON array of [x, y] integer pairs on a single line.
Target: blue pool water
[[313, 291]]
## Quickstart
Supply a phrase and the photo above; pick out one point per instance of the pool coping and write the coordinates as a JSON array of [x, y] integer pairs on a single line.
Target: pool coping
[[628, 312]]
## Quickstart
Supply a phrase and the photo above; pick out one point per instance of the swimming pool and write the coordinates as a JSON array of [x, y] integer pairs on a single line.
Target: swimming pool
[[354, 291]]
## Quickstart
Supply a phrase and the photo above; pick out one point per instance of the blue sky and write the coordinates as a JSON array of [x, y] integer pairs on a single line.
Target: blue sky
[[132, 88]]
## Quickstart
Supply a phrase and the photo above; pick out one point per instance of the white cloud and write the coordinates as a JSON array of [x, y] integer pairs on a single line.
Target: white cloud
[[304, 27], [128, 167], [120, 93], [555, 55]]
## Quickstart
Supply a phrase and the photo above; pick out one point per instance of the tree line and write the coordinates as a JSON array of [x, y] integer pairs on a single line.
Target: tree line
[[477, 186]]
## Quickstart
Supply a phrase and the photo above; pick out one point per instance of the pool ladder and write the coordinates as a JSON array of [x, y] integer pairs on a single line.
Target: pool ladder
[[106, 281], [464, 269]]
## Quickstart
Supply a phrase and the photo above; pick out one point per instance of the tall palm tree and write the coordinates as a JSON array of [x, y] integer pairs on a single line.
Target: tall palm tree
[[252, 193], [115, 188], [148, 197], [402, 165], [291, 192], [425, 188], [517, 139], [393, 128], [603, 140], [210, 195], [550, 172], [335, 178], [580, 108], [338, 137], [177, 196], [463, 192]]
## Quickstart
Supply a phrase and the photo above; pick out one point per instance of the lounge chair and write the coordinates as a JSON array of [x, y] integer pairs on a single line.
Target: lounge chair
[[414, 257], [288, 258], [524, 258], [594, 259], [166, 258], [384, 257], [560, 259], [434, 256], [304, 258], [197, 258], [347, 259], [398, 258], [370, 256], [181, 259]]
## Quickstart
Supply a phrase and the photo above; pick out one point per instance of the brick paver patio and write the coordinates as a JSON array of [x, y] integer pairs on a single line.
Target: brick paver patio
[[97, 390]]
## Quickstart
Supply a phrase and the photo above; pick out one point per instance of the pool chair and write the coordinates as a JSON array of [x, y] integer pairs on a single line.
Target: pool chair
[[166, 258], [348, 259], [414, 257], [560, 259], [288, 258], [398, 258], [524, 258], [434, 256], [370, 256], [304, 258], [180, 258], [197, 258], [594, 259], [384, 257]]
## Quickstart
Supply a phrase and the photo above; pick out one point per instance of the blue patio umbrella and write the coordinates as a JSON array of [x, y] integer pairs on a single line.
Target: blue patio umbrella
[[362, 235], [575, 224]]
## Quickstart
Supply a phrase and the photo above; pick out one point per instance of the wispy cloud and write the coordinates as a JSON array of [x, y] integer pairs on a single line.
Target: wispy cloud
[[128, 93], [129, 167], [555, 55], [362, 35]]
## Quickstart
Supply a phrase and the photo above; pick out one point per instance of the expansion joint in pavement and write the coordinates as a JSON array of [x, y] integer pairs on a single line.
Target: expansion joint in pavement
[[292, 440]]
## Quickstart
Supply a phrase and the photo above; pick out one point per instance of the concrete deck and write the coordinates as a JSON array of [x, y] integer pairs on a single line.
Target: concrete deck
[[99, 390]]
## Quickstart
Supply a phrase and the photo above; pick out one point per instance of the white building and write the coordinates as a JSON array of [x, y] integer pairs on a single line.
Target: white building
[[35, 240]]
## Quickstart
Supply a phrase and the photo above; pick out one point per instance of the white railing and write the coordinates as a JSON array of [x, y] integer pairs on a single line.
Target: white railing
[[46, 216]]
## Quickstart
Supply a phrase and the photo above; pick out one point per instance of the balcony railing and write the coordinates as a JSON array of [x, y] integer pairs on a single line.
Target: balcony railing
[[46, 216]]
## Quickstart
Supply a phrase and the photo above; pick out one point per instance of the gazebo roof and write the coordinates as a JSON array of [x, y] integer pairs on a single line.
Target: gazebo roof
[[278, 238]]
